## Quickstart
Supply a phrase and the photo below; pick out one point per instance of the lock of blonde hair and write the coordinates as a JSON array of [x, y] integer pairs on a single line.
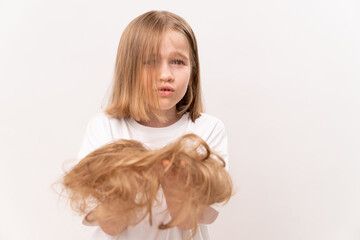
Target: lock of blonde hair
[[124, 178]]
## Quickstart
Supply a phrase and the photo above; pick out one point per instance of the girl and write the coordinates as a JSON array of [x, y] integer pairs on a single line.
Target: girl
[[156, 99]]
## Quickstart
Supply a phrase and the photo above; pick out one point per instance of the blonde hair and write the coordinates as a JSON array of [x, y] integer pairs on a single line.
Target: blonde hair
[[131, 96], [124, 178]]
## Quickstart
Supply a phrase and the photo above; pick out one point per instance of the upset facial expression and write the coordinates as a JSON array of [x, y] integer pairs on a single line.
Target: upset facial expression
[[172, 70]]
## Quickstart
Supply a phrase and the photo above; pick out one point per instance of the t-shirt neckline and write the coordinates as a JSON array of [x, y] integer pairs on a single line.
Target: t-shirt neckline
[[145, 130]]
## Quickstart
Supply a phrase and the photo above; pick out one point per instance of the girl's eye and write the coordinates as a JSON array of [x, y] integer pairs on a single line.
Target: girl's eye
[[178, 62]]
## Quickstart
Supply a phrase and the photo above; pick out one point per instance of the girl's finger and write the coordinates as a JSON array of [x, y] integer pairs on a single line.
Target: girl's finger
[[165, 162]]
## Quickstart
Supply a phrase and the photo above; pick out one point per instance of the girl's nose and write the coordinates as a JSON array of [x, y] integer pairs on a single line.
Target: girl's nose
[[165, 73]]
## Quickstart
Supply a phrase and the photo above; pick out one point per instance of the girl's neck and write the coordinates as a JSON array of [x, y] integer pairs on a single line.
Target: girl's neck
[[171, 116]]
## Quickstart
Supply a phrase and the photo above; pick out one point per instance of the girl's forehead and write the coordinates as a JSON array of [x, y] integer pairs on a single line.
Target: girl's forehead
[[174, 42]]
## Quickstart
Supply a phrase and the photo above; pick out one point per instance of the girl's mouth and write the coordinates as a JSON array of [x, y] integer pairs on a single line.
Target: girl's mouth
[[165, 91]]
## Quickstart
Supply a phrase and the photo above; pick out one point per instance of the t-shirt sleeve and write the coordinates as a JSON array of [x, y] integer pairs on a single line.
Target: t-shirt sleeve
[[98, 133], [218, 142]]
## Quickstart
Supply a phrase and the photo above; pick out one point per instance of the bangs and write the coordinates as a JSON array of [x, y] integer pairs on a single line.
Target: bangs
[[146, 74]]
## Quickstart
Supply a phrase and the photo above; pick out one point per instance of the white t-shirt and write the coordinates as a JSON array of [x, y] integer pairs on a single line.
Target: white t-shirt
[[103, 129]]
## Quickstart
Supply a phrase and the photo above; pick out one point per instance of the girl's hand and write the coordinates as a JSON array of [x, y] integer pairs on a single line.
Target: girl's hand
[[171, 183], [112, 228], [173, 177], [167, 162]]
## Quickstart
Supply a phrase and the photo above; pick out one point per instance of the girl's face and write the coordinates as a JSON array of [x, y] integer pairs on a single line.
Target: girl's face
[[172, 70]]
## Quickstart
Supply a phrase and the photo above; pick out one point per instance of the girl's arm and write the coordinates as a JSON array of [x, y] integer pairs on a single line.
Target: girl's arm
[[169, 182], [98, 133], [208, 216]]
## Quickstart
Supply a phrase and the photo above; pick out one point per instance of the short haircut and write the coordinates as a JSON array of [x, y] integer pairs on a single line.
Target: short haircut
[[130, 95]]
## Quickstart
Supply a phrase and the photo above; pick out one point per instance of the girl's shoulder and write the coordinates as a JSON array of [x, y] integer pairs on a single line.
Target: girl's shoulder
[[209, 128], [209, 121], [103, 123], [212, 130], [99, 131], [99, 120], [208, 117]]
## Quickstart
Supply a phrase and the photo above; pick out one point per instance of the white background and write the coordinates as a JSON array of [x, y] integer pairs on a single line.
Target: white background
[[283, 75]]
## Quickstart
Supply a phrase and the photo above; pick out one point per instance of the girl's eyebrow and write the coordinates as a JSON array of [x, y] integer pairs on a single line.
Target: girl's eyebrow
[[180, 54]]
